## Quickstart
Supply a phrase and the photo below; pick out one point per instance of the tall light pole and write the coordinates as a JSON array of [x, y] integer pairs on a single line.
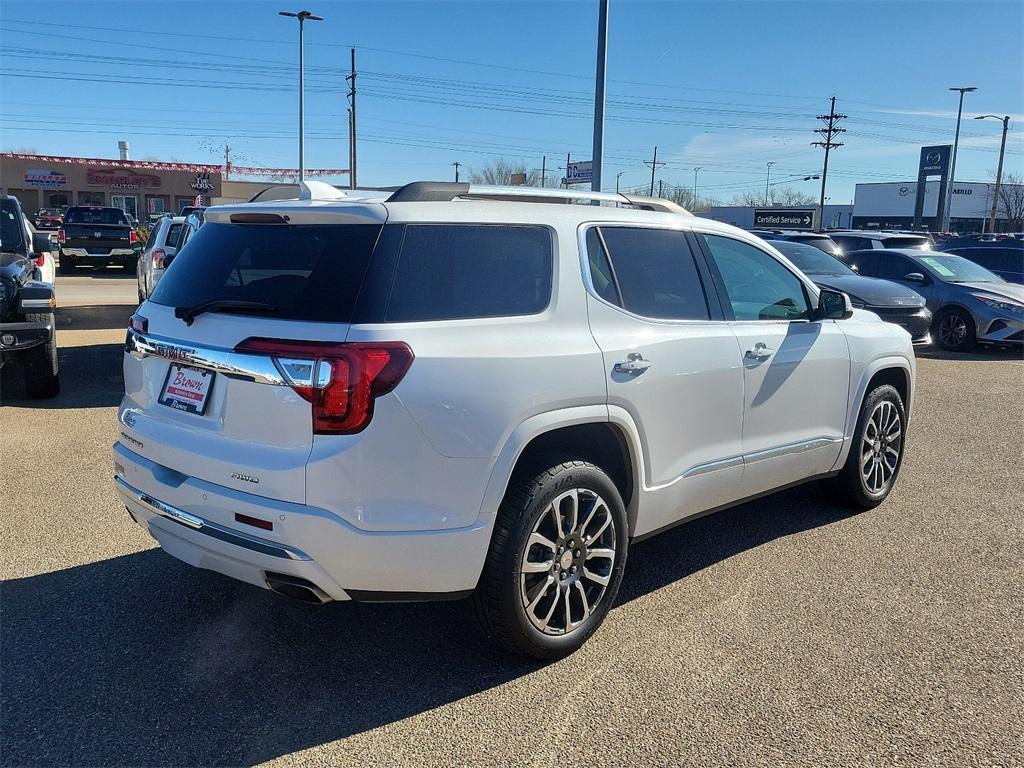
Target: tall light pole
[[602, 60], [698, 168], [999, 168], [617, 177], [767, 180], [952, 165], [302, 16]]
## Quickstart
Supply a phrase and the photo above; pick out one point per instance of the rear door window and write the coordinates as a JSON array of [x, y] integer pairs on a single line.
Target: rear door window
[[459, 271], [308, 272], [654, 272]]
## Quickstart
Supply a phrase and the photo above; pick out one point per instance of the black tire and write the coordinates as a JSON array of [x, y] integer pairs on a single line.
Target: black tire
[[141, 297], [850, 488], [42, 372], [67, 264], [953, 329], [499, 602]]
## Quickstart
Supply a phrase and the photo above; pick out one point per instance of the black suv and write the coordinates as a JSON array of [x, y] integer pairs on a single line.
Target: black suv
[[26, 305]]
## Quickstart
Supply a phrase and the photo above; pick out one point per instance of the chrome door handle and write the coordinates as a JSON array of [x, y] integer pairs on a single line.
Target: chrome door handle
[[634, 363], [760, 351]]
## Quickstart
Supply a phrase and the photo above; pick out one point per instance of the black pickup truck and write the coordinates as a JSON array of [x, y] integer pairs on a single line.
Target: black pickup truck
[[26, 305], [97, 236]]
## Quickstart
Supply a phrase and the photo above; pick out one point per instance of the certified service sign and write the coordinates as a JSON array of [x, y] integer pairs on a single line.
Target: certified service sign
[[38, 178]]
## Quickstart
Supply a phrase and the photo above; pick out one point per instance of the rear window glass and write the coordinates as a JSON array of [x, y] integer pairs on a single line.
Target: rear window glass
[[905, 242], [174, 234], [95, 216], [450, 272], [12, 237], [308, 272]]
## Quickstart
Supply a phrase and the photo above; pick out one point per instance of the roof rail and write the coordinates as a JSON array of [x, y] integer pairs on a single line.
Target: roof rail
[[446, 191]]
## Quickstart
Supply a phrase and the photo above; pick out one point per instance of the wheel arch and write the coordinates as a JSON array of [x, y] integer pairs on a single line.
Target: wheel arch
[[587, 432]]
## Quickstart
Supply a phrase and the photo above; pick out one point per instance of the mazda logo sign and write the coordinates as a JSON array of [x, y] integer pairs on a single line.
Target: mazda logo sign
[[933, 158]]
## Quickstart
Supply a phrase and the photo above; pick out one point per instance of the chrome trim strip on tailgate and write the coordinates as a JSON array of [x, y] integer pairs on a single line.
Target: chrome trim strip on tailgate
[[213, 530], [257, 368]]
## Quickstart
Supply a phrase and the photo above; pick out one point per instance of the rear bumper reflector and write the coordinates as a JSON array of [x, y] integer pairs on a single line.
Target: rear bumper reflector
[[205, 527]]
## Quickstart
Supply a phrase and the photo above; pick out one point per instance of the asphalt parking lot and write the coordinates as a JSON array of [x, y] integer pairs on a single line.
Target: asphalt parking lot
[[782, 632]]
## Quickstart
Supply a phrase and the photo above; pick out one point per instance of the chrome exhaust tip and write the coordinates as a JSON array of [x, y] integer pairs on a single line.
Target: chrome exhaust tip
[[296, 588]]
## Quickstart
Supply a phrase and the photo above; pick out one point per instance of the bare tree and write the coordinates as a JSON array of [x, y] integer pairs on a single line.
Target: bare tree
[[790, 196], [748, 199], [500, 172], [1011, 200]]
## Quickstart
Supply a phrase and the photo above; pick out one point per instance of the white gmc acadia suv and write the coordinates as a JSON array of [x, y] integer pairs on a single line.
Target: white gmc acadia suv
[[456, 391]]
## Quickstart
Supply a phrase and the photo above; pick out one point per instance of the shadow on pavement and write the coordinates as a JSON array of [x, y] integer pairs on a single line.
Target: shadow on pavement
[[94, 318], [142, 660], [90, 377], [980, 353]]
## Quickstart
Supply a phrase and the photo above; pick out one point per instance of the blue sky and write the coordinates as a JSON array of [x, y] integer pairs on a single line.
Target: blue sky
[[727, 86]]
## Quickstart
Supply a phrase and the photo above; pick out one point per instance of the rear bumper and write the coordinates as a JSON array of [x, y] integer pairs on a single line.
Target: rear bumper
[[194, 521], [81, 254]]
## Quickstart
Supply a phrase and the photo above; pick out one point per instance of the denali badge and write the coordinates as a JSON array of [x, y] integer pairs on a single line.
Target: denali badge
[[247, 478]]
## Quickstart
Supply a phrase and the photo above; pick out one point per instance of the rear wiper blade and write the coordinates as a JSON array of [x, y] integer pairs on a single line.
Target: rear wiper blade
[[189, 314]]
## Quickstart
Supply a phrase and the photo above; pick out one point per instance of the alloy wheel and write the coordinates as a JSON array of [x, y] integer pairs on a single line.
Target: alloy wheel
[[568, 562], [881, 446], [952, 330]]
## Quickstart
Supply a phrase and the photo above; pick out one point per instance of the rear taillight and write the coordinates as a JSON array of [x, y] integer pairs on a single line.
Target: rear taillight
[[40, 259], [138, 323], [158, 258], [61, 237], [340, 380], [133, 236]]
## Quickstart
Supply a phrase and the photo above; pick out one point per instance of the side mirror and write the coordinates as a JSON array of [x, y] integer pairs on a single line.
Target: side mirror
[[855, 268], [41, 242], [834, 305], [914, 277]]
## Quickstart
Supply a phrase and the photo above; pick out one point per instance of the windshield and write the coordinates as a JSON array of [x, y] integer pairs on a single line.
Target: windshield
[[12, 232], [821, 243], [907, 241], [811, 260], [95, 216], [956, 269]]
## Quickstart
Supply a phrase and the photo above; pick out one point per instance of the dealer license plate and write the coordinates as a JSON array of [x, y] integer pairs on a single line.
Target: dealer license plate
[[187, 389]]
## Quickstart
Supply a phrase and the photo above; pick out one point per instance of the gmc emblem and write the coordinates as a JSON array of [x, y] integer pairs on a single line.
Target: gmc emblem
[[174, 353]]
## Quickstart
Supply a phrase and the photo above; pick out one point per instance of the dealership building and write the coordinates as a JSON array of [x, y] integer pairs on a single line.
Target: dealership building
[[890, 205], [139, 187]]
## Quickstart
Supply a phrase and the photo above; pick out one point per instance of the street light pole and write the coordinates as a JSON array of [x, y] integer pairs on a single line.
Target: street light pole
[[767, 180], [699, 167], [617, 177], [952, 165], [302, 16], [602, 60], [999, 168]]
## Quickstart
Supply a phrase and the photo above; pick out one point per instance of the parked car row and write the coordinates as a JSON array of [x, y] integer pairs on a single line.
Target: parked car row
[[957, 297]]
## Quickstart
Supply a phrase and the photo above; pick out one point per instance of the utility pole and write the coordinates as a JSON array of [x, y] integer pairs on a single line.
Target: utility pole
[[227, 160], [698, 168], [567, 156], [654, 165], [767, 180], [829, 132], [352, 124], [456, 164], [602, 60], [661, 187], [948, 202], [999, 168], [543, 171]]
